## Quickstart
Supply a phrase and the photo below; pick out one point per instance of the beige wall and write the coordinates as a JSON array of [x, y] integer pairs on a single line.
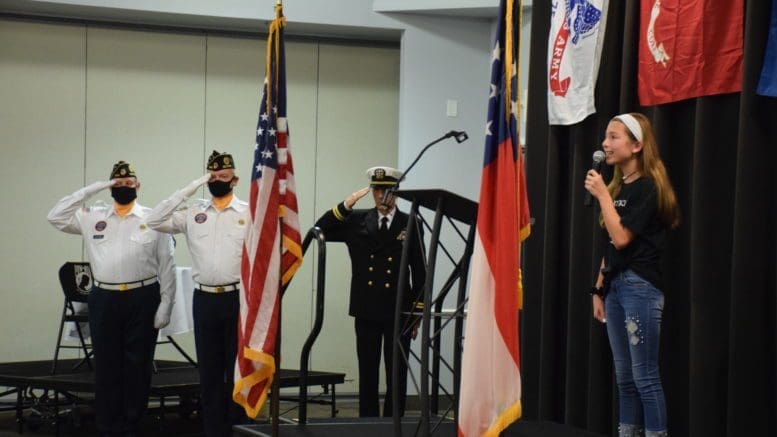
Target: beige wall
[[75, 99]]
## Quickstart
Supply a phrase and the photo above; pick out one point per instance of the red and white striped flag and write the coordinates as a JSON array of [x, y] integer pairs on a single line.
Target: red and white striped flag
[[490, 391], [265, 268]]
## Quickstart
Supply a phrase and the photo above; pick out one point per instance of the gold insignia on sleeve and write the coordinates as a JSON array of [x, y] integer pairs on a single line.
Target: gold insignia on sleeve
[[241, 222], [338, 215]]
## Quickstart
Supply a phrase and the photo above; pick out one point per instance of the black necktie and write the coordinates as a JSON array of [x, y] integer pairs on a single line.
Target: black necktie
[[384, 224]]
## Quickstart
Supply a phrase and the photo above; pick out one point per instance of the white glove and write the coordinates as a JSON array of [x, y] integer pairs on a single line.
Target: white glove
[[162, 317], [96, 187], [195, 184]]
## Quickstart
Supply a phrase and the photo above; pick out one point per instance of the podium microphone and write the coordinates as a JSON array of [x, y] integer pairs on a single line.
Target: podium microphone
[[459, 136], [596, 166]]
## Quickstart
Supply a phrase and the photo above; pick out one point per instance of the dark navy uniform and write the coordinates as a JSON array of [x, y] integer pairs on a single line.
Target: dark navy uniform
[[375, 257]]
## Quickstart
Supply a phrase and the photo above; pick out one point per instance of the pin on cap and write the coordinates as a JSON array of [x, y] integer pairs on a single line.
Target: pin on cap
[[382, 176], [122, 170], [220, 161]]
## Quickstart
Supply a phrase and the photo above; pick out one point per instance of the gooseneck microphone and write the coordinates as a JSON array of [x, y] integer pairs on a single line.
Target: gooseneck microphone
[[596, 166], [459, 136]]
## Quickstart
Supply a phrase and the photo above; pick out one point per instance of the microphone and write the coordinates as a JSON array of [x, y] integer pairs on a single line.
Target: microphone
[[596, 165], [459, 136]]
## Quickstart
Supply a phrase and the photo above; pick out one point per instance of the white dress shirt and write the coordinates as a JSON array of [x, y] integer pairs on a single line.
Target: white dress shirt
[[215, 237], [390, 217], [121, 250]]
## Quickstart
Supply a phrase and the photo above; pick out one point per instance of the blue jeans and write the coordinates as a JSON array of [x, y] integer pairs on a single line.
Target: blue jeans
[[633, 309]]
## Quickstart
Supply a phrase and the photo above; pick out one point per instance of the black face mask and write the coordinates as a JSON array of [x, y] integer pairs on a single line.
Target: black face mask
[[219, 188], [124, 195]]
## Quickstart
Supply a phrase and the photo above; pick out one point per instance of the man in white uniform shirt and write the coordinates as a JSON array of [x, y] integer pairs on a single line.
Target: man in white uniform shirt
[[215, 229], [134, 289]]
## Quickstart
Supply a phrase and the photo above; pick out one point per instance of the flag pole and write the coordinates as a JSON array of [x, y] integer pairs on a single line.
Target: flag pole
[[275, 406], [275, 386], [275, 397]]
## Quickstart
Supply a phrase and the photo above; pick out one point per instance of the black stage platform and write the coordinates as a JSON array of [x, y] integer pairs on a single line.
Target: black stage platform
[[173, 378], [380, 427]]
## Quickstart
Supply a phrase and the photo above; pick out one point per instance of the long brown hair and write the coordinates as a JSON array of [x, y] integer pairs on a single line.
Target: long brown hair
[[650, 165]]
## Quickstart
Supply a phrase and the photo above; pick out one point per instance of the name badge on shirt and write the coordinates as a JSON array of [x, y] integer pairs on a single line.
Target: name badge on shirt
[[98, 236]]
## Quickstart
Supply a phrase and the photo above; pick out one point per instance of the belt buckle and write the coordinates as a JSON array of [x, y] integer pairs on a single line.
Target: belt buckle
[[219, 289], [123, 287]]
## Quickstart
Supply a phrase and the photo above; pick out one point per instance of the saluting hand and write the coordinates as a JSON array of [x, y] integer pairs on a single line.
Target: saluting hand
[[202, 179], [96, 187], [194, 185], [355, 196]]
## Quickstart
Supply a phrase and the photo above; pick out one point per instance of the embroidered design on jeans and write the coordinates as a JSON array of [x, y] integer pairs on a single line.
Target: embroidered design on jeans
[[628, 430], [634, 330]]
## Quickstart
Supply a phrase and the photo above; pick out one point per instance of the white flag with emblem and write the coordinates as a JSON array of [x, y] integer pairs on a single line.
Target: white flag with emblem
[[574, 50]]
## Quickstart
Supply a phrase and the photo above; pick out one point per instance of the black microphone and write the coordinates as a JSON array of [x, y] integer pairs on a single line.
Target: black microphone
[[596, 166], [459, 136]]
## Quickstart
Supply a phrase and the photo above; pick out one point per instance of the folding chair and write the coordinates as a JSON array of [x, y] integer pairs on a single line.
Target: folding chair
[[76, 281]]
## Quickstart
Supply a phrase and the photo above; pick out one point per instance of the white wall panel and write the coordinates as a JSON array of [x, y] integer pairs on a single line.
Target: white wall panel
[[42, 149]]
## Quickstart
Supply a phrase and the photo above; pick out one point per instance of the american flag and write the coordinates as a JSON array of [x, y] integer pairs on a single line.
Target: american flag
[[272, 250], [490, 391]]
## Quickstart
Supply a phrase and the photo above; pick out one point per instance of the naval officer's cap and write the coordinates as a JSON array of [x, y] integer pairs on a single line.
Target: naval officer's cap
[[382, 176]]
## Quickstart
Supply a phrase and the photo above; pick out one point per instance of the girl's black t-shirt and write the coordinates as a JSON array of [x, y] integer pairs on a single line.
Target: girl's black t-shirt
[[637, 205]]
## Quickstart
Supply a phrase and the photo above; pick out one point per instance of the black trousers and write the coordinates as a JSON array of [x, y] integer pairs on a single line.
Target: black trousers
[[121, 324], [215, 335], [371, 337]]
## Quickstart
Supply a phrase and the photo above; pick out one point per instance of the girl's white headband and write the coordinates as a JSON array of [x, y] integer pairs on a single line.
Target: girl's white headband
[[631, 124]]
